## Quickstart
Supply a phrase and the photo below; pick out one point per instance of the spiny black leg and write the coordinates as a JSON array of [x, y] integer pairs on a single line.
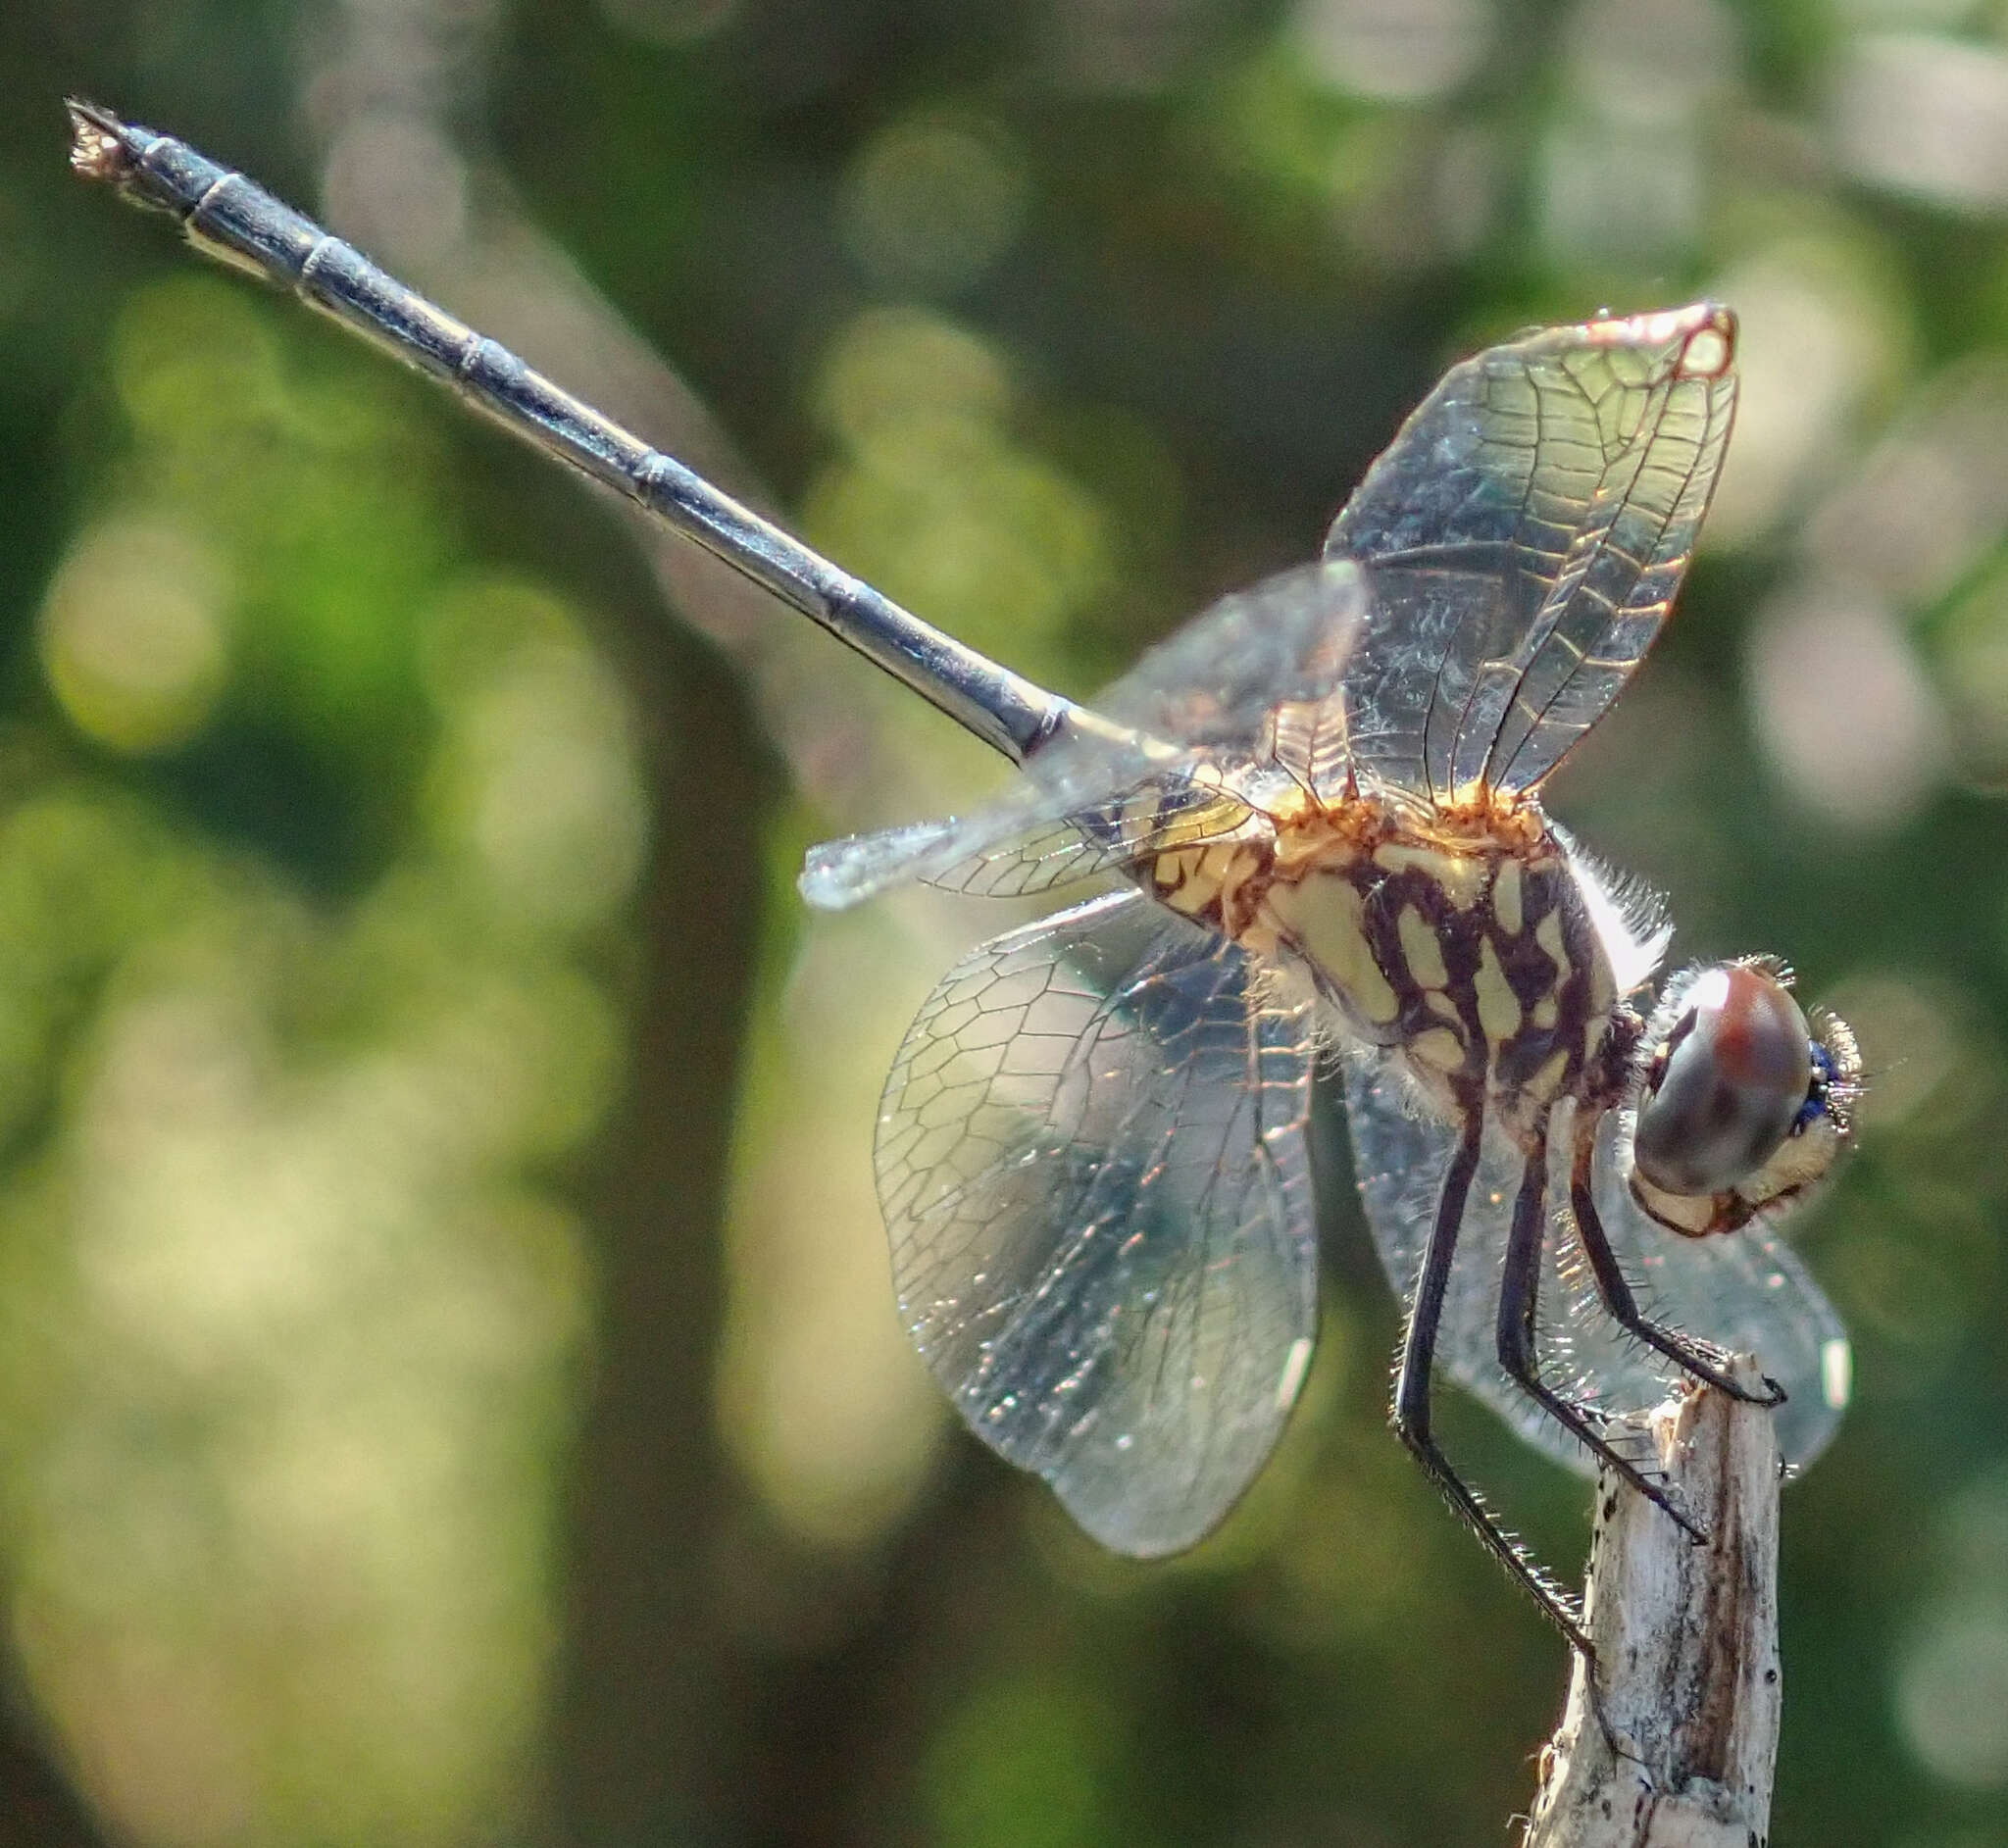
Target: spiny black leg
[[1518, 1296], [1683, 1351], [1409, 1415]]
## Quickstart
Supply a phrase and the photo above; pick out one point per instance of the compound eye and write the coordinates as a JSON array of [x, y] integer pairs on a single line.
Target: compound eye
[[1727, 1085]]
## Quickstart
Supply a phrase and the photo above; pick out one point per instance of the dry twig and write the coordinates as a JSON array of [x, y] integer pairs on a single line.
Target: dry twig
[[1669, 1740]]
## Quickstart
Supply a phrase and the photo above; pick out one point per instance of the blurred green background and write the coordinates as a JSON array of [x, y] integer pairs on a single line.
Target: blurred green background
[[449, 1386]]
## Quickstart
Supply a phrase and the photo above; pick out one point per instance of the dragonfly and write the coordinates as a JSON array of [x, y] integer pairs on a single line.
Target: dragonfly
[[1309, 829]]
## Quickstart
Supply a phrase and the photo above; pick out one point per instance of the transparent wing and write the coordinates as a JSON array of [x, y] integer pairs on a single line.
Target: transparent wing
[[1524, 536], [1027, 855], [1522, 540], [1164, 814], [1216, 683], [1191, 710], [1745, 1292], [1092, 1163]]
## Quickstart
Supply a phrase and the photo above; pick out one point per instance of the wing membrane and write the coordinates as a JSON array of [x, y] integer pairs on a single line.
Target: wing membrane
[[1199, 706], [1745, 1291], [1485, 594], [1523, 536], [1092, 1163], [1018, 856], [1216, 683]]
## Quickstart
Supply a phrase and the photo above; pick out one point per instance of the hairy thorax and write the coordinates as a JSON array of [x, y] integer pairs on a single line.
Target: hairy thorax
[[1462, 937]]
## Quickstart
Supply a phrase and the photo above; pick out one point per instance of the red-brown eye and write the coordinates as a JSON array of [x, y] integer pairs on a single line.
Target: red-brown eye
[[1726, 1085]]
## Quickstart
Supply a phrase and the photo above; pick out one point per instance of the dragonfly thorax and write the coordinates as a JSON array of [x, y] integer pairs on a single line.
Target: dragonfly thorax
[[1472, 951]]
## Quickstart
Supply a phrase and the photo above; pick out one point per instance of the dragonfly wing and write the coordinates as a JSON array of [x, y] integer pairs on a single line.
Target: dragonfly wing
[[1134, 781], [1029, 828], [1017, 846], [1159, 816], [1093, 1162], [1485, 594], [838, 874], [1745, 1291], [1217, 683], [1523, 539]]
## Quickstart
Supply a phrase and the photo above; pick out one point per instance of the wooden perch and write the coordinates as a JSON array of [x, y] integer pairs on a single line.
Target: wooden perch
[[1670, 1738]]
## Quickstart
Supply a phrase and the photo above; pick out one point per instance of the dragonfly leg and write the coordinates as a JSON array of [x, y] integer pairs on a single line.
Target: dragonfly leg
[[1697, 1358], [1410, 1415], [1519, 1297]]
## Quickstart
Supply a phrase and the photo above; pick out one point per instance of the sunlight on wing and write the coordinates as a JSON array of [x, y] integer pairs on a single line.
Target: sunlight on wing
[[1088, 777], [1216, 683], [1093, 1162], [1525, 534], [1203, 700], [1015, 856], [838, 874], [1745, 1291], [1159, 816]]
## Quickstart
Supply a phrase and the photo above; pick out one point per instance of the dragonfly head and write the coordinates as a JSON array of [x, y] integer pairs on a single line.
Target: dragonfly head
[[1741, 1104]]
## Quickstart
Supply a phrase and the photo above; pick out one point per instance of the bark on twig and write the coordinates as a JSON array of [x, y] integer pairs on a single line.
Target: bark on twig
[[1670, 1739]]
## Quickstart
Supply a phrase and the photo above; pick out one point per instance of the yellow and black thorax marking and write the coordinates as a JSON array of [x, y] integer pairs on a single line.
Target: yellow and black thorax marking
[[1477, 956]]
